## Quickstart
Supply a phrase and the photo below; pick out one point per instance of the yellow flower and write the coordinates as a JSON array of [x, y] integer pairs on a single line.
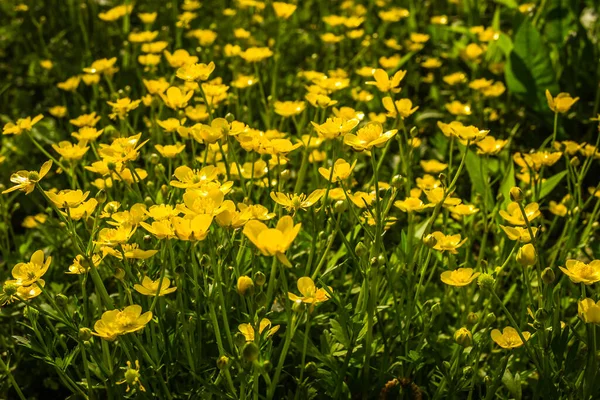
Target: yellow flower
[[81, 266], [490, 145], [147, 18], [175, 98], [245, 285], [256, 54], [580, 272], [22, 292], [404, 107], [526, 255], [310, 293], [70, 85], [462, 210], [273, 241], [341, 170], [151, 288], [319, 100], [283, 10], [84, 210], [70, 151], [67, 198], [248, 330], [156, 86], [514, 216], [433, 166], [26, 274], [384, 83], [87, 134], [518, 233], [411, 204], [195, 72], [589, 311], [113, 237], [189, 178], [121, 107], [179, 58], [289, 108], [509, 338], [46, 64], [458, 108], [448, 242], [334, 127], [193, 229], [25, 180], [562, 103], [115, 13], [368, 136], [114, 323], [85, 120], [558, 209], [102, 66], [22, 124], [537, 160], [294, 202], [459, 277], [455, 78], [58, 111], [33, 221], [170, 150], [160, 229]]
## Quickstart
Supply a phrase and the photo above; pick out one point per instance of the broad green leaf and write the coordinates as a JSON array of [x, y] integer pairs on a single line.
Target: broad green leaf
[[477, 174], [560, 21], [507, 183], [551, 183], [529, 70]]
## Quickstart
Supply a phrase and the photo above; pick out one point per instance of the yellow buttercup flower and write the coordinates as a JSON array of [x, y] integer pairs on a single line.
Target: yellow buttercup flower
[[368, 136], [273, 241], [402, 107], [310, 293], [519, 233], [248, 330], [334, 127], [509, 338], [319, 100], [160, 229], [170, 150], [176, 98], [562, 103], [459, 277], [490, 145], [84, 210], [70, 151], [58, 111], [33, 221], [589, 311], [26, 274], [283, 10], [448, 242], [67, 198], [294, 202], [147, 18], [85, 120], [122, 107], [256, 54], [580, 272], [151, 288], [457, 108], [102, 66], [114, 323], [411, 204], [455, 78], [384, 83], [340, 171], [25, 180], [70, 85], [514, 216], [558, 209], [179, 58], [288, 109], [22, 125], [195, 72], [81, 265], [193, 229], [87, 134]]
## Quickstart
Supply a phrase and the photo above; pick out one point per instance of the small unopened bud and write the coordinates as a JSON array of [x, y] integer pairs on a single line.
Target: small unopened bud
[[541, 315], [259, 278], [111, 165], [360, 249], [10, 289], [154, 159], [548, 275], [230, 117], [239, 339], [463, 337], [85, 334], [101, 197], [486, 281], [298, 306], [119, 274], [436, 310], [310, 367], [526, 255], [62, 300], [223, 362], [397, 181], [516, 194], [489, 319], [430, 241], [245, 285], [250, 352], [575, 161], [472, 318]]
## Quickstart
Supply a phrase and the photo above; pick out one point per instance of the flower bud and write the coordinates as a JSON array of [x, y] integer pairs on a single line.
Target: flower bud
[[436, 310], [10, 289], [33, 176], [259, 278], [101, 197], [154, 159], [360, 249], [548, 275], [463, 337], [430, 241], [486, 281], [340, 206], [85, 334], [223, 362], [526, 255], [250, 352], [62, 300], [397, 181], [245, 286], [310, 367], [298, 306], [472, 318], [516, 194], [230, 117], [541, 315], [119, 274], [489, 319], [267, 366], [575, 161]]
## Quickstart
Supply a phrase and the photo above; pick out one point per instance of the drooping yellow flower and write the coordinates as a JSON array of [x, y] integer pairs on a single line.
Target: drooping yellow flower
[[459, 277], [273, 241], [509, 338], [384, 83], [448, 242], [248, 330], [334, 127], [22, 125], [402, 107], [289, 108], [514, 216], [562, 103], [151, 288], [490, 145], [368, 136], [25, 180], [283, 10], [67, 198], [580, 272], [114, 323], [26, 274], [294, 202], [519, 233], [310, 293], [341, 170], [589, 311], [195, 72]]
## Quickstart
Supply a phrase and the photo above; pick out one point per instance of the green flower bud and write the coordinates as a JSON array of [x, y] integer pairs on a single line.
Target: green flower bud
[[250, 352], [526, 255], [430, 241], [548, 275], [85, 334], [486, 281], [310, 367], [223, 362], [463, 337], [239, 339], [516, 194], [260, 278], [360, 249], [472, 318], [62, 300]]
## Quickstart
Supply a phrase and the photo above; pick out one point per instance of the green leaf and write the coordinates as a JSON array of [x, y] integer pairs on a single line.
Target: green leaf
[[560, 21], [513, 384], [551, 183], [508, 3], [529, 70], [339, 333], [507, 183], [478, 175]]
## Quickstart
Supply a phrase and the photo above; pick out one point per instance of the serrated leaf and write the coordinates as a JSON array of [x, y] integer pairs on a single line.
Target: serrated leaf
[[339, 333]]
